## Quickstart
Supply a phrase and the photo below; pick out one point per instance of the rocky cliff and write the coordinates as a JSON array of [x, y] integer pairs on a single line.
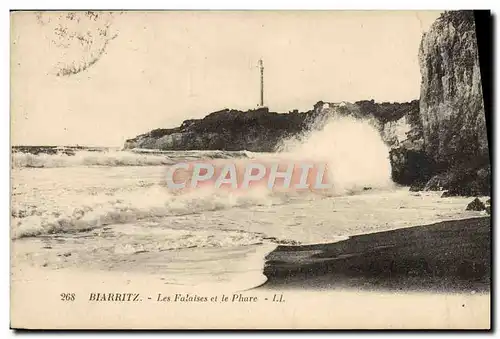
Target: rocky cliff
[[451, 105], [455, 155], [231, 130], [261, 131]]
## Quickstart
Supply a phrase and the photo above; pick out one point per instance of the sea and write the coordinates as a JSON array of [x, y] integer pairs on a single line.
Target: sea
[[108, 209]]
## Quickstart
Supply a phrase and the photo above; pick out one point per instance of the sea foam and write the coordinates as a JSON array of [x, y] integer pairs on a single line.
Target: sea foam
[[74, 201], [136, 157], [356, 155]]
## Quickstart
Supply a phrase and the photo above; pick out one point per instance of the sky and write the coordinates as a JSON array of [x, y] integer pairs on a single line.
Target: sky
[[162, 68]]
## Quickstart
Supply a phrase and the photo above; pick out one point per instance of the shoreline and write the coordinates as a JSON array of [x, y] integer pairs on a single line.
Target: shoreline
[[235, 269], [37, 290], [448, 256]]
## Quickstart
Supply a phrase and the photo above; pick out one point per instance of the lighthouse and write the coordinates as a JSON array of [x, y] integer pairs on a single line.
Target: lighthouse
[[261, 67]]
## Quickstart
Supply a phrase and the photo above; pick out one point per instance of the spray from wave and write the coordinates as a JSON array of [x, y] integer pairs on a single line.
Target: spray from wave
[[356, 155]]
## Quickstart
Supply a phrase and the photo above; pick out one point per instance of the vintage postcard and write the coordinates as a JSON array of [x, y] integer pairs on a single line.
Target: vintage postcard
[[249, 170]]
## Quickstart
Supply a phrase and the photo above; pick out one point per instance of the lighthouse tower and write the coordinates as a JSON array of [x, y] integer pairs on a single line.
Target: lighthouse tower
[[261, 67]]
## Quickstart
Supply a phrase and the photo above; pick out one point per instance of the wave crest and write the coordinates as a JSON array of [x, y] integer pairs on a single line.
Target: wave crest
[[128, 207], [356, 155], [137, 157]]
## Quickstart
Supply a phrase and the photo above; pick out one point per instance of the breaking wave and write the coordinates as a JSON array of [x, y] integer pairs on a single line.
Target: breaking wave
[[146, 204], [356, 155], [116, 158], [357, 160]]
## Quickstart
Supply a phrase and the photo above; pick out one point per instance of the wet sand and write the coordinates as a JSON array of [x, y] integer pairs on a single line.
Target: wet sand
[[373, 281], [451, 256], [231, 269]]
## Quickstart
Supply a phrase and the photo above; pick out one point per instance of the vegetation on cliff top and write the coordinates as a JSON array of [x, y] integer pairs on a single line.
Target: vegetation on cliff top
[[235, 121]]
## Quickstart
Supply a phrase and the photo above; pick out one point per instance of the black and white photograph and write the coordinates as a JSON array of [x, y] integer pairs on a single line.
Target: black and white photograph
[[275, 169]]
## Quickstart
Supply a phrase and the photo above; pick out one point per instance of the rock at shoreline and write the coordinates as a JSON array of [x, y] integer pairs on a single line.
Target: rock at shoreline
[[488, 206], [410, 167], [476, 205]]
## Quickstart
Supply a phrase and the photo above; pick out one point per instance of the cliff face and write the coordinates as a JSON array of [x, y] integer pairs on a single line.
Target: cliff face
[[451, 106], [261, 131], [453, 155], [451, 98], [230, 130]]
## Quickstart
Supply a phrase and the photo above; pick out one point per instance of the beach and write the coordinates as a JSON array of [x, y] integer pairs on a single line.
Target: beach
[[344, 282], [451, 256], [105, 223], [111, 211]]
